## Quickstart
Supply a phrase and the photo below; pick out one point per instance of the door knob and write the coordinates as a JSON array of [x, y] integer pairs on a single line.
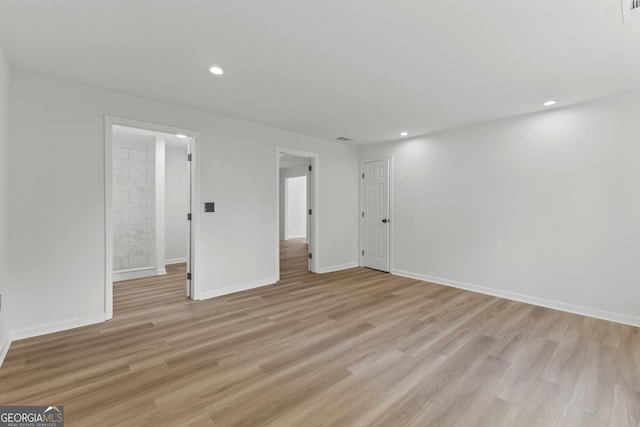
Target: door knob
[[384, 220]]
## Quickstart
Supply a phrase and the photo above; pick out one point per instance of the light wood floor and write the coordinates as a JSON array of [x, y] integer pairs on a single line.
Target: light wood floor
[[352, 348]]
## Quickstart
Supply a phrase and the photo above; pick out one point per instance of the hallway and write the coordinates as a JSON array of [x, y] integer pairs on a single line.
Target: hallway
[[135, 296], [294, 259]]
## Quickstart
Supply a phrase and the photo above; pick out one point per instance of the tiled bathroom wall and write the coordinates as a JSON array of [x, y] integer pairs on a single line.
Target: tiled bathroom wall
[[133, 204]]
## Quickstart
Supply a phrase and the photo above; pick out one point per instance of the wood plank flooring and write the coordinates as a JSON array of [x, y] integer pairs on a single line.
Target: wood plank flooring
[[351, 348]]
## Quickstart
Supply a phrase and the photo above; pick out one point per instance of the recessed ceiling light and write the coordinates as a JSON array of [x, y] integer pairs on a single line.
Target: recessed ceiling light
[[404, 133], [179, 135], [216, 71], [550, 102]]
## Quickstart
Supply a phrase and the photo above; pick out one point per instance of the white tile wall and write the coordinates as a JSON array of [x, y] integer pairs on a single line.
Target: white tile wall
[[133, 204]]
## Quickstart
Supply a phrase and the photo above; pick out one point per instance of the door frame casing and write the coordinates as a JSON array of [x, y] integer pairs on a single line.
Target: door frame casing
[[314, 186], [391, 210], [194, 136]]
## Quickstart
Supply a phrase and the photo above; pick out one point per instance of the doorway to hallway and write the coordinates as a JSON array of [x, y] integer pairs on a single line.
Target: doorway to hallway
[[297, 209], [149, 180]]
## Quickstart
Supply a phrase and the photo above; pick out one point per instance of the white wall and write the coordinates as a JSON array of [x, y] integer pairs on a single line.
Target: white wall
[[544, 207], [296, 207], [57, 134], [176, 202], [4, 204], [285, 173], [159, 204], [134, 219]]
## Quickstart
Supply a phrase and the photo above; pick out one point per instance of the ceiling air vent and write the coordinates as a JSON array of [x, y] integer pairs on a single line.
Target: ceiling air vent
[[347, 139], [630, 10]]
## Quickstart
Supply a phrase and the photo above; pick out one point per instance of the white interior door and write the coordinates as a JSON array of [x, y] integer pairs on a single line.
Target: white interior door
[[375, 215]]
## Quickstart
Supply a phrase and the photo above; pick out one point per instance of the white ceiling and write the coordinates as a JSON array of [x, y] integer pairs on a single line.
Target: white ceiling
[[366, 69]]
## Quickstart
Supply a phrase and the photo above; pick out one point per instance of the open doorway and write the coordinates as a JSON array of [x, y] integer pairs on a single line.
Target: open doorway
[[297, 211], [148, 204]]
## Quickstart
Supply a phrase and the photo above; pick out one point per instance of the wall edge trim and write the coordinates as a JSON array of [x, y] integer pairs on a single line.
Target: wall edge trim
[[4, 349], [235, 288], [528, 299], [338, 267], [52, 327]]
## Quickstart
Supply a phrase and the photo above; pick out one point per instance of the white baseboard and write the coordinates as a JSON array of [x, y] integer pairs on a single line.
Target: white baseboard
[[132, 270], [301, 236], [49, 328], [4, 349], [161, 271], [236, 288], [333, 268], [135, 273], [174, 261], [556, 305]]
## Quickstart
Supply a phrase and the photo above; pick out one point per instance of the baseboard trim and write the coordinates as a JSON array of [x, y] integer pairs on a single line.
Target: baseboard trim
[[132, 270], [542, 302], [339, 267], [174, 261], [235, 288], [301, 236], [135, 274], [4, 350], [49, 328]]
